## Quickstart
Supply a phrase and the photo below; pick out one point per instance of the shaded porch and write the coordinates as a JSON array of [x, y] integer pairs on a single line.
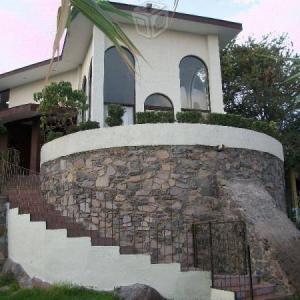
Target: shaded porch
[[23, 134]]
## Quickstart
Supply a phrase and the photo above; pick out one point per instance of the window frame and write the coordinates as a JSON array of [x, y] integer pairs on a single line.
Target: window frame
[[208, 84], [158, 108]]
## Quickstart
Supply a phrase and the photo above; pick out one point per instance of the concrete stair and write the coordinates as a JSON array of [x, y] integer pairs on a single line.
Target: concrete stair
[[241, 286]]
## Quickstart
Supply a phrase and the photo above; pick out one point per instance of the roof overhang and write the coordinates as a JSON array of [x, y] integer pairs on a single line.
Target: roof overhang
[[80, 33], [226, 30], [74, 50], [21, 112]]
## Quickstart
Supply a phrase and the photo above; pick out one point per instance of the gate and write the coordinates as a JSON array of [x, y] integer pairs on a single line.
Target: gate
[[221, 247]]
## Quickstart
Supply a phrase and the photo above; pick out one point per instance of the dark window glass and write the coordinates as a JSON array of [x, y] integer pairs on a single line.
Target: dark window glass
[[4, 99], [158, 102], [194, 84], [90, 91], [119, 79], [84, 82]]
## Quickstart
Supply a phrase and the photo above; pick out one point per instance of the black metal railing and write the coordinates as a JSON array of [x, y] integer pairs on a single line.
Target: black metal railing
[[218, 247]]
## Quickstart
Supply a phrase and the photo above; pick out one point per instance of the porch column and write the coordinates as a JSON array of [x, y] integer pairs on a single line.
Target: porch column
[[215, 77], [97, 107], [35, 145], [3, 142]]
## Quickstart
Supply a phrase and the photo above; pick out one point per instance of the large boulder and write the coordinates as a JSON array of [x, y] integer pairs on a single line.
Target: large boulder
[[138, 292]]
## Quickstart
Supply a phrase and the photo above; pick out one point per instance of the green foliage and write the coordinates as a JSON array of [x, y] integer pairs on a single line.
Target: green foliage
[[261, 80], [57, 293], [59, 105], [189, 117], [2, 129], [115, 114], [52, 135], [153, 117], [88, 125], [9, 280]]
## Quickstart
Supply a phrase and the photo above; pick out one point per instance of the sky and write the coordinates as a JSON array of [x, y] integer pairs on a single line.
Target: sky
[[27, 27]]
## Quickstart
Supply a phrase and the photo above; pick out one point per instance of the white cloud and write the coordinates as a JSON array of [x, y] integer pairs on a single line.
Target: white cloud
[[271, 16]]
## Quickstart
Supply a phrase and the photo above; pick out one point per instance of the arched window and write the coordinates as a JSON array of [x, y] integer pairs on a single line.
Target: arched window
[[158, 102], [119, 82], [194, 84], [90, 91], [83, 87]]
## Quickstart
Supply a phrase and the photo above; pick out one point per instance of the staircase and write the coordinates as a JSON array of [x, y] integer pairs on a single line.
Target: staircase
[[240, 285]]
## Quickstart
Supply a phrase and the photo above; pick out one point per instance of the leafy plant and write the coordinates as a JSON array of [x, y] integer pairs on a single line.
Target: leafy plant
[[261, 80], [88, 125], [189, 117], [51, 135], [115, 114], [155, 117], [59, 105]]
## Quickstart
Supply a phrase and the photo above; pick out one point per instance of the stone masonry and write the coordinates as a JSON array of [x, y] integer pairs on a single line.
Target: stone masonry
[[135, 190]]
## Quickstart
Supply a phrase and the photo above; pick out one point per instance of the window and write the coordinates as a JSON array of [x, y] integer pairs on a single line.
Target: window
[[119, 82], [4, 99], [90, 91], [158, 102], [119, 79], [194, 84], [84, 83]]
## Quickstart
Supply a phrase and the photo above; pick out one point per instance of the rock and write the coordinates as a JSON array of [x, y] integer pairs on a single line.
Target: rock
[[162, 154], [21, 276], [102, 181], [138, 292]]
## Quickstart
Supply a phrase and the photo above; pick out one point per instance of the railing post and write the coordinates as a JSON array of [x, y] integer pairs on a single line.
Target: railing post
[[250, 272], [211, 255]]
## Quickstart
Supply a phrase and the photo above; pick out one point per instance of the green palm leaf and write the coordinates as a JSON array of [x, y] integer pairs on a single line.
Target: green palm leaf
[[100, 13]]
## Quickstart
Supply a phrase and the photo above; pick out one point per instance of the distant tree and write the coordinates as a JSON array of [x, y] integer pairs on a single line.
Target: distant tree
[[261, 79]]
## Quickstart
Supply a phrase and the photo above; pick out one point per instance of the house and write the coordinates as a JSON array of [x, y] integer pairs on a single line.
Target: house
[[173, 206], [180, 71]]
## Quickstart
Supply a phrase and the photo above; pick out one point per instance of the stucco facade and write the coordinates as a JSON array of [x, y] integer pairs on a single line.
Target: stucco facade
[[156, 73]]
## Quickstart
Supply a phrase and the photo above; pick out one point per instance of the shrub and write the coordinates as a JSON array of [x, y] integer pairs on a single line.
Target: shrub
[[228, 120], [189, 117], [152, 117], [88, 125], [59, 105], [115, 114], [52, 135]]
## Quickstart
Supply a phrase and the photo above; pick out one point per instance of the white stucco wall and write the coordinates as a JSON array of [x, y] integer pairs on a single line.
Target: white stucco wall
[[221, 295], [159, 72], [160, 134], [24, 94], [50, 256]]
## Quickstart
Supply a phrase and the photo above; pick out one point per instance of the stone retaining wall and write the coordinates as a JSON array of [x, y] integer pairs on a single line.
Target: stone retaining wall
[[104, 189]]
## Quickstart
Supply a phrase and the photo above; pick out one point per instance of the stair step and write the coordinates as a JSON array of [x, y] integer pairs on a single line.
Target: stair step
[[75, 233], [223, 281], [258, 290], [103, 242], [127, 250]]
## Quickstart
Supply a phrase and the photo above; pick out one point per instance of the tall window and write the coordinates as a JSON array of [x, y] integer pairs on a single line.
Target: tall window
[[90, 91], [119, 82], [158, 102], [84, 86], [194, 84]]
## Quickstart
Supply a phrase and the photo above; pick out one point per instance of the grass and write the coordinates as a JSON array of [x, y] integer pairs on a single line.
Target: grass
[[56, 293]]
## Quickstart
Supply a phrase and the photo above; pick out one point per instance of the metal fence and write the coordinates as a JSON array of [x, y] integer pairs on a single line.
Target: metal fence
[[218, 247]]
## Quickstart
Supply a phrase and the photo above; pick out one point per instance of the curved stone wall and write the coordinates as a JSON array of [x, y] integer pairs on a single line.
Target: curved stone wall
[[157, 178], [160, 182]]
